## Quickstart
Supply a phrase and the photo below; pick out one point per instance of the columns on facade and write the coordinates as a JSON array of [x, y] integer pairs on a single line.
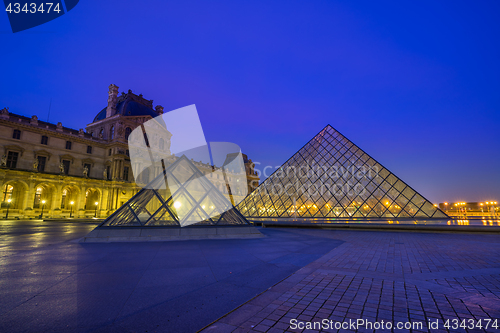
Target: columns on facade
[[56, 197], [29, 198], [104, 199], [81, 199], [117, 168]]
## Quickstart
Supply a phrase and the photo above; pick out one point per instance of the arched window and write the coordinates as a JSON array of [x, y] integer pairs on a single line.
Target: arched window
[[161, 144], [38, 196], [101, 133], [128, 130], [7, 192], [63, 199], [112, 133]]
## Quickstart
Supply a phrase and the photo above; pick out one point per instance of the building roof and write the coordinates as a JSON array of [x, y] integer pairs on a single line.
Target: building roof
[[20, 119], [130, 105]]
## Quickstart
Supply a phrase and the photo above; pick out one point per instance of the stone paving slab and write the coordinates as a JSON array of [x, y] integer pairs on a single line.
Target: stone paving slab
[[390, 276], [51, 283]]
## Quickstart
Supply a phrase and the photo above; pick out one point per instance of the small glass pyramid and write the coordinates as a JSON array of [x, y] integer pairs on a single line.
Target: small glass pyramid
[[189, 199], [330, 177]]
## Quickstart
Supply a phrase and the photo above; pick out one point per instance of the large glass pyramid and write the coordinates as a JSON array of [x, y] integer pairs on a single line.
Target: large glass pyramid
[[330, 177], [189, 199]]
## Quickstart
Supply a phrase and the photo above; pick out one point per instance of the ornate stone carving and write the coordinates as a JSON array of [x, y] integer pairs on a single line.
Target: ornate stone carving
[[159, 109], [112, 97], [4, 113]]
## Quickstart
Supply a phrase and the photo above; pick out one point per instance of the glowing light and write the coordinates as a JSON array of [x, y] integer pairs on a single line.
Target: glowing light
[[9, 200], [43, 201], [96, 203], [177, 205], [203, 206], [72, 203]]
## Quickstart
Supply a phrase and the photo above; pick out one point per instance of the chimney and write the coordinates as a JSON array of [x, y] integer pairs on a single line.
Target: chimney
[[112, 96]]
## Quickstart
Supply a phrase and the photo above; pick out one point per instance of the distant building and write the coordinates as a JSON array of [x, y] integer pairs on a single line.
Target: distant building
[[64, 171], [485, 208]]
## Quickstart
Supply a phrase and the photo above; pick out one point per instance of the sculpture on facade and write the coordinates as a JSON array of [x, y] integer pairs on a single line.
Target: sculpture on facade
[[35, 164], [85, 171], [3, 161], [61, 167], [105, 174]]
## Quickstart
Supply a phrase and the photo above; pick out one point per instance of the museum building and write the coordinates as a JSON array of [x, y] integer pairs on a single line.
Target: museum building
[[51, 171]]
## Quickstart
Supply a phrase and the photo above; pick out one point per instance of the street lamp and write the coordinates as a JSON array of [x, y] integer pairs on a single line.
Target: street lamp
[[43, 206], [8, 206], [95, 210], [71, 209]]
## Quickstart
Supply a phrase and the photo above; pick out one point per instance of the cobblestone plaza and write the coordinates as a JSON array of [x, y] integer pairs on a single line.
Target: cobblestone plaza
[[52, 283]]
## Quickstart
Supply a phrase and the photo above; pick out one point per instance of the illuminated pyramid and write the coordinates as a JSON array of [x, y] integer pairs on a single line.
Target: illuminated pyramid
[[194, 201], [330, 177]]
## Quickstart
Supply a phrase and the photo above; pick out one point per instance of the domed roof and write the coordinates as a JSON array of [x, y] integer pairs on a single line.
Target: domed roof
[[128, 107]]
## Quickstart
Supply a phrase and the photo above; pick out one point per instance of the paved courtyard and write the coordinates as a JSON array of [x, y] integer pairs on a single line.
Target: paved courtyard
[[51, 283], [395, 277]]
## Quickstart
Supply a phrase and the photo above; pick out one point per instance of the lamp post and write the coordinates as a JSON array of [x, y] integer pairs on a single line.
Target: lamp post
[[95, 210], [43, 206], [8, 206], [446, 207], [71, 209]]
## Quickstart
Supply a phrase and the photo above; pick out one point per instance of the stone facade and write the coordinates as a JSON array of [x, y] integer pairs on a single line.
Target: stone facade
[[66, 172]]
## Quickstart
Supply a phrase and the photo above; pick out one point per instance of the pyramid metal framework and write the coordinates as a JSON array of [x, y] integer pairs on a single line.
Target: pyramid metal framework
[[154, 205], [330, 177]]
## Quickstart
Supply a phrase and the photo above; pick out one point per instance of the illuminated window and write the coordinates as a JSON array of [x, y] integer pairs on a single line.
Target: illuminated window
[[63, 199], [38, 196], [7, 192]]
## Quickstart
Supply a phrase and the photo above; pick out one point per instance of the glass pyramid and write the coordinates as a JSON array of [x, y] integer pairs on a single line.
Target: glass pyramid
[[330, 177], [189, 199]]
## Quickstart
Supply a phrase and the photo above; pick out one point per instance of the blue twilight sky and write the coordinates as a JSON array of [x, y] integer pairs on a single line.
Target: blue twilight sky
[[416, 85]]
